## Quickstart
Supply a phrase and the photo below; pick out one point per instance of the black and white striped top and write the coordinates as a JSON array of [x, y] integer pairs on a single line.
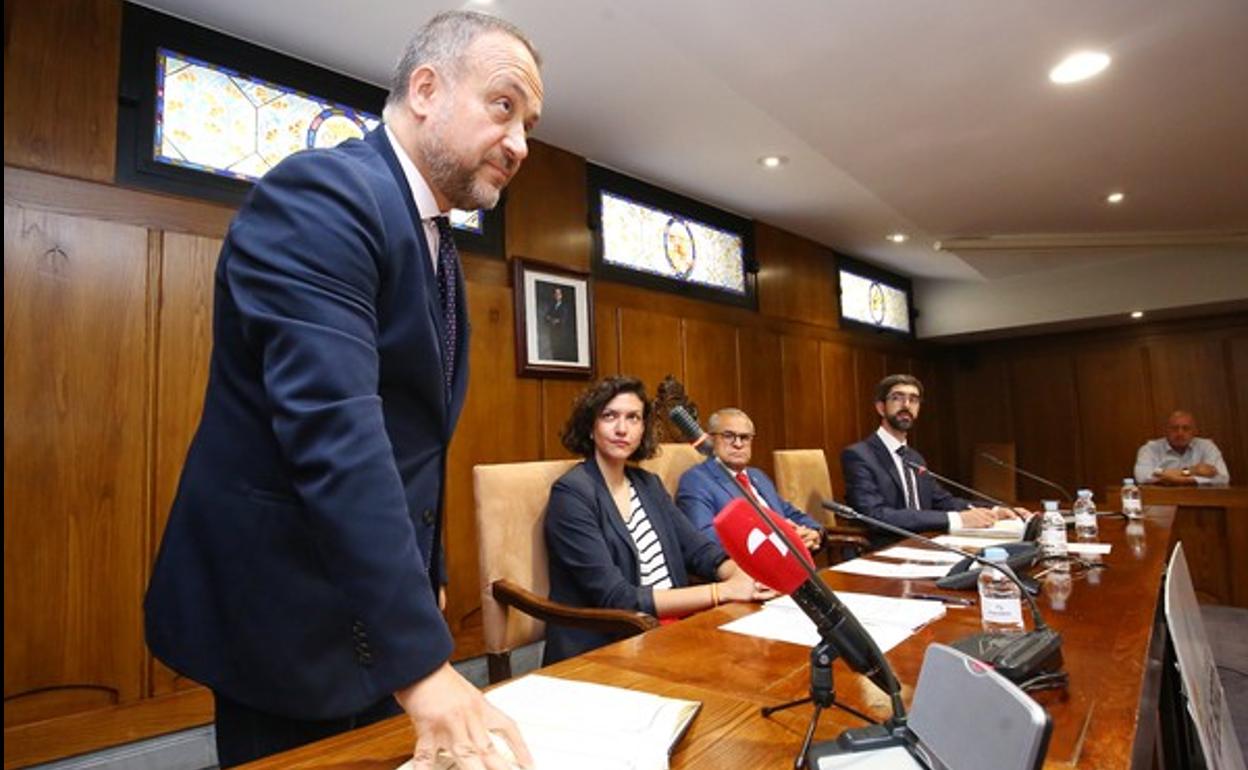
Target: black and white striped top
[[652, 564]]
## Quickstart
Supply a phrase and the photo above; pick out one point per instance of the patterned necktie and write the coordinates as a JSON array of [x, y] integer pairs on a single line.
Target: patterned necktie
[[448, 277], [912, 500], [744, 481]]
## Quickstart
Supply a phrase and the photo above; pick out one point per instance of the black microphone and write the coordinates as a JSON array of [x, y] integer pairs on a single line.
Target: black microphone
[[1031, 526], [924, 470], [784, 569], [693, 432], [1018, 657], [1011, 466]]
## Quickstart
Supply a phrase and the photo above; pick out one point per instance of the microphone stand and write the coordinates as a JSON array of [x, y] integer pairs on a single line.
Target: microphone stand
[[822, 689], [1014, 656], [1010, 466], [1031, 527], [924, 470]]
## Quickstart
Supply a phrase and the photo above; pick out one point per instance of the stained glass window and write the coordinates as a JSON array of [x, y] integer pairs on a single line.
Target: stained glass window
[[652, 240], [214, 119], [220, 121], [870, 301]]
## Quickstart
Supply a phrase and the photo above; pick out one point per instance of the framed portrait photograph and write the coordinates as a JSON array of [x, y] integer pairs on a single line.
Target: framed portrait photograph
[[554, 320]]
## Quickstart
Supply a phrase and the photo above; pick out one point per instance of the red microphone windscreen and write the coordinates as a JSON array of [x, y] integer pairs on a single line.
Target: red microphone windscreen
[[760, 551]]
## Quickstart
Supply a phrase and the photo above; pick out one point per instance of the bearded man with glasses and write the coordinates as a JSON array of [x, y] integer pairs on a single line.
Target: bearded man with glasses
[[881, 482]]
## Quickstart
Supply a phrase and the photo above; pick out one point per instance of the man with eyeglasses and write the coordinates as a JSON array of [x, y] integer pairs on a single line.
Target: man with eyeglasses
[[705, 489], [881, 482]]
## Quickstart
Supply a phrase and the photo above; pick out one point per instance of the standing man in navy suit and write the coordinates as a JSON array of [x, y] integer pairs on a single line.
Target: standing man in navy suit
[[705, 489], [880, 483], [300, 573]]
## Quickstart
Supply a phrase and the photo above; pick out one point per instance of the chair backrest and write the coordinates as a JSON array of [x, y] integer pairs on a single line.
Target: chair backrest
[[510, 504], [802, 479], [993, 478], [670, 464]]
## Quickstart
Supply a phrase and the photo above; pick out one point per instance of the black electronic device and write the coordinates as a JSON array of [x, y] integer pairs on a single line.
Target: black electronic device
[[965, 574], [1018, 657]]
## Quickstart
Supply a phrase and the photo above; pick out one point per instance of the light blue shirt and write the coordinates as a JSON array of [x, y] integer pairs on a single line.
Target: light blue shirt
[[1158, 455]]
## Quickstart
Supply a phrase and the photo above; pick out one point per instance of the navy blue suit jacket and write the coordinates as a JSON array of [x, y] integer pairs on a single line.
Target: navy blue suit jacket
[[705, 489], [873, 487], [593, 560], [297, 573]]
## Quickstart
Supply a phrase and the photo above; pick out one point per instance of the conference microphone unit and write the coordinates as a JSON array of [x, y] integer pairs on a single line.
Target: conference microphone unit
[[1034, 477], [1031, 529], [1017, 657]]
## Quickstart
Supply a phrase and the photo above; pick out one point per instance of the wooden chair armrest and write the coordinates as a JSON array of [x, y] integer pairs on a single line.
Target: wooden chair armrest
[[627, 622]]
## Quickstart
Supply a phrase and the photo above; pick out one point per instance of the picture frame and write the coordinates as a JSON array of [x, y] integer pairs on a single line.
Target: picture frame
[[554, 308]]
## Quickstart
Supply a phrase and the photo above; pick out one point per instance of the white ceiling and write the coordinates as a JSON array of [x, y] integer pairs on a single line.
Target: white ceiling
[[933, 117]]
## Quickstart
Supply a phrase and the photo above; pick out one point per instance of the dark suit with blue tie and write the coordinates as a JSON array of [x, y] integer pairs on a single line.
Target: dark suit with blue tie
[[705, 489], [873, 487], [299, 568]]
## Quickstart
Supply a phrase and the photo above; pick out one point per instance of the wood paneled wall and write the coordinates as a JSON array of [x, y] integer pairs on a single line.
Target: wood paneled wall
[[1078, 406]]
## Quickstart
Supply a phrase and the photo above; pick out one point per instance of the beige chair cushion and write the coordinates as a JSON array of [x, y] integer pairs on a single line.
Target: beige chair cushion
[[802, 479], [510, 502], [670, 464]]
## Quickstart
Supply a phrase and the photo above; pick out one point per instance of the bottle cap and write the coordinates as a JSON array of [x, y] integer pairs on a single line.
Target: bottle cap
[[996, 554], [1084, 493], [1128, 482], [1049, 505]]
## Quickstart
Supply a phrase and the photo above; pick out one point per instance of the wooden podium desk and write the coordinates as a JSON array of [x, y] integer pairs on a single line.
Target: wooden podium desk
[[1106, 719], [1212, 523]]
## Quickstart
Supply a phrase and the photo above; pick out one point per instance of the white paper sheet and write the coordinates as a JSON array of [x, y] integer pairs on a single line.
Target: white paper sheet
[[892, 569], [889, 620], [931, 555], [1089, 549]]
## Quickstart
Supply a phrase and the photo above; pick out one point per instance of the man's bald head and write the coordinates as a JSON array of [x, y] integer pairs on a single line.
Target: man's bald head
[[1180, 429]]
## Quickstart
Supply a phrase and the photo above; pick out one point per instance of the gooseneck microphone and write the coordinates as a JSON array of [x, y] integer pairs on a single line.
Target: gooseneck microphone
[[1017, 657], [1034, 477], [924, 470]]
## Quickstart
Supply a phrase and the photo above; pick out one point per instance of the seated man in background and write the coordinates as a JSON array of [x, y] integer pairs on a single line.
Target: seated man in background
[[880, 482], [1181, 458], [704, 489]]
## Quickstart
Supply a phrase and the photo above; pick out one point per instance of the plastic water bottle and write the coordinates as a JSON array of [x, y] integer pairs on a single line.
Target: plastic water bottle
[[1085, 515], [1132, 507], [1000, 601], [1053, 535]]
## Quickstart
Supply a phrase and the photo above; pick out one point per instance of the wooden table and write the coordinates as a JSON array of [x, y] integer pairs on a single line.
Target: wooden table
[[1106, 719], [1212, 524]]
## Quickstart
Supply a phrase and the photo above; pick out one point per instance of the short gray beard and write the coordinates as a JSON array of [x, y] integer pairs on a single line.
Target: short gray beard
[[459, 184]]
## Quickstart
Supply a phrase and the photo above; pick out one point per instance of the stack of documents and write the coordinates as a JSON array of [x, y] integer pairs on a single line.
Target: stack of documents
[[889, 620], [571, 725]]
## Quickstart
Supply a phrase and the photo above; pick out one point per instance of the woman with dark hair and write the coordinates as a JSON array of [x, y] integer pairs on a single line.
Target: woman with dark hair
[[615, 538]]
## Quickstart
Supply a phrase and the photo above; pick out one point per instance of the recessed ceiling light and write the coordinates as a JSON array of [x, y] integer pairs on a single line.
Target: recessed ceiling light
[[773, 161], [1079, 66], [1137, 313], [897, 237], [1114, 197]]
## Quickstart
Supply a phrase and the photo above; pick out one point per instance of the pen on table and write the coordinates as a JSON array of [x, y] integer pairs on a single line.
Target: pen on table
[[956, 601]]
